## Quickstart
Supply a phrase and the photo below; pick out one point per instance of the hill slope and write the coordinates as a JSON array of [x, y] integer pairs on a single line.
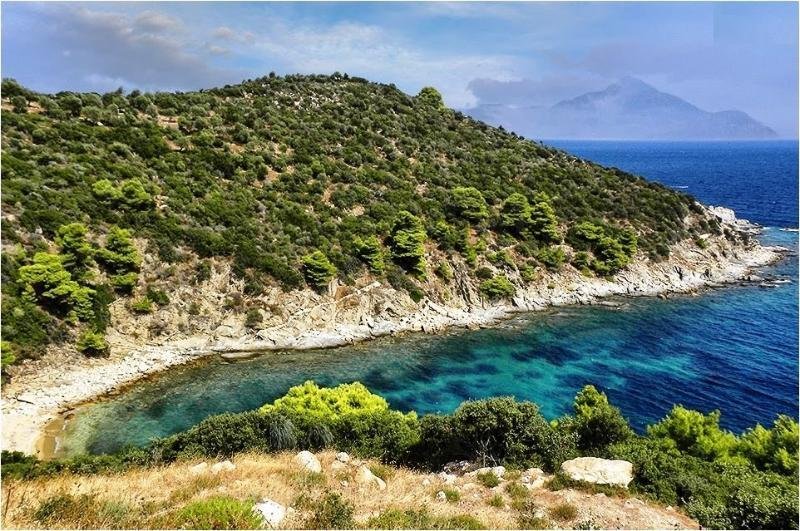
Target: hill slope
[[628, 109], [119, 207]]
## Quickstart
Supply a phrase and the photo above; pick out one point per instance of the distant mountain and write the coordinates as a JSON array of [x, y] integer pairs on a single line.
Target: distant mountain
[[628, 109]]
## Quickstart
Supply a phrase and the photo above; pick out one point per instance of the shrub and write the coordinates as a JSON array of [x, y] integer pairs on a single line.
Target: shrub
[[218, 512], [497, 501], [551, 257], [126, 282], [515, 213], [468, 203], [92, 344], [544, 223], [142, 305], [421, 519], [328, 403], [444, 271], [452, 495], [371, 252], [596, 422], [498, 287], [563, 512], [407, 242], [488, 479], [157, 296], [318, 270], [47, 281], [253, 318], [119, 254], [331, 512], [695, 433]]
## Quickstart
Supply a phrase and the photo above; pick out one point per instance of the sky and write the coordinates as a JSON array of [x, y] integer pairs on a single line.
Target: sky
[[718, 56]]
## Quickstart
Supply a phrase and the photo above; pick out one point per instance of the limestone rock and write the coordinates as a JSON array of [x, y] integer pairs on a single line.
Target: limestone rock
[[600, 471], [498, 471], [224, 466], [198, 469], [364, 476], [342, 457], [533, 478], [271, 512], [308, 462], [448, 479], [441, 496]]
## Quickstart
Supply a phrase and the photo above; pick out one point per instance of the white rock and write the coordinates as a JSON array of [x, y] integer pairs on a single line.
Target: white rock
[[338, 466], [364, 476], [426, 482], [342, 457], [308, 461], [448, 479], [198, 469], [441, 496], [271, 512], [600, 471], [498, 471], [224, 466]]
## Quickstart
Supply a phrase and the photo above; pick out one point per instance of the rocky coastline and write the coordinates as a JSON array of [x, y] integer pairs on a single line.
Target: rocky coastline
[[40, 391]]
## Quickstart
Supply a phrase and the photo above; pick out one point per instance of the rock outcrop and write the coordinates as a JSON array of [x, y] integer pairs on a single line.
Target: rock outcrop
[[271, 512], [600, 471]]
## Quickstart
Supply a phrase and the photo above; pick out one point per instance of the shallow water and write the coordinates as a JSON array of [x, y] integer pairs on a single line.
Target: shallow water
[[735, 348]]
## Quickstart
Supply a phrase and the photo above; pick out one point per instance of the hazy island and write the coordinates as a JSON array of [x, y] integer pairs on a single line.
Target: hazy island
[[143, 230]]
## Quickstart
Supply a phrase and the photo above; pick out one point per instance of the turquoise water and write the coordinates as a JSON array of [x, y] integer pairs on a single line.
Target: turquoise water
[[734, 348]]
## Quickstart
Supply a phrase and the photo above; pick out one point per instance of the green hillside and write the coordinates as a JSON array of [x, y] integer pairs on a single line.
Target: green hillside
[[297, 179]]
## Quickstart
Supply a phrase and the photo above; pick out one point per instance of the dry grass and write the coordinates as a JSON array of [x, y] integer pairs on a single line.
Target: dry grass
[[155, 497]]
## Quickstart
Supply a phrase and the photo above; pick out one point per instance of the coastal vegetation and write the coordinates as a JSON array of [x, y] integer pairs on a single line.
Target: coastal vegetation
[[294, 181], [721, 479]]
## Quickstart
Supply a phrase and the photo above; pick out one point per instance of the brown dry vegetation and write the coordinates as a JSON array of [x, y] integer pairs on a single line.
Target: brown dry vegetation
[[155, 497]]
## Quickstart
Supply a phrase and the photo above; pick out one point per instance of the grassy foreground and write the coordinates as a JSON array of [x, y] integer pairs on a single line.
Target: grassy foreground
[[723, 480], [173, 497]]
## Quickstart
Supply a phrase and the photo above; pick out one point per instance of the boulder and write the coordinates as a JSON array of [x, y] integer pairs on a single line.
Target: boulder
[[308, 462], [448, 479], [338, 466], [441, 496], [200, 468], [498, 471], [224, 466], [533, 478], [272, 513], [342, 457], [600, 471], [364, 476]]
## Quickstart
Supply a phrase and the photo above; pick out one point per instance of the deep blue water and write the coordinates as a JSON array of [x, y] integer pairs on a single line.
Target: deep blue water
[[735, 349], [758, 179]]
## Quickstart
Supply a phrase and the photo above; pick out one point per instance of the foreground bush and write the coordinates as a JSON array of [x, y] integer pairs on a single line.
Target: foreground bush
[[722, 480]]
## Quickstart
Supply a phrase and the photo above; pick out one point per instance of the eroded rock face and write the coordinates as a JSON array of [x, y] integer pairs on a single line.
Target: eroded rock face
[[599, 471], [308, 462]]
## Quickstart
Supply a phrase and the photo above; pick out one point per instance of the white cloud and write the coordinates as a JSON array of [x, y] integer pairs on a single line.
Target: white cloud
[[370, 51]]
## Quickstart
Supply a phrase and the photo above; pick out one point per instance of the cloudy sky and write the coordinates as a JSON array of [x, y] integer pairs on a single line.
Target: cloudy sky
[[716, 55]]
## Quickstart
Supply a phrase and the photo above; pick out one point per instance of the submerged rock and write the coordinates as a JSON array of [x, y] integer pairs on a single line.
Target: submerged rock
[[599, 471]]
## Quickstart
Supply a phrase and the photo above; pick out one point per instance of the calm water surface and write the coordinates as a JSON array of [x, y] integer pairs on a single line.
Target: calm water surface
[[735, 349]]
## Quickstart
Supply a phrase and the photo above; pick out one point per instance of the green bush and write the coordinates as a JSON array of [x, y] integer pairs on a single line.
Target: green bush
[[253, 318], [596, 422], [498, 287], [407, 242], [488, 479], [371, 252], [331, 512], [217, 512], [318, 270], [92, 344], [468, 203]]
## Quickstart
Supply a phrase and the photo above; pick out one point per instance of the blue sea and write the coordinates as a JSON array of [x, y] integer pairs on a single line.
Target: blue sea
[[733, 349]]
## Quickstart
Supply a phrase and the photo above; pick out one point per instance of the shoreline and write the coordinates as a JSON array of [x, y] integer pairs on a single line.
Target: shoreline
[[31, 414]]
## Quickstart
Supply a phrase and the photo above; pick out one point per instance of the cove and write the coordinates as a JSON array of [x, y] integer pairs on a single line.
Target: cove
[[733, 349]]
